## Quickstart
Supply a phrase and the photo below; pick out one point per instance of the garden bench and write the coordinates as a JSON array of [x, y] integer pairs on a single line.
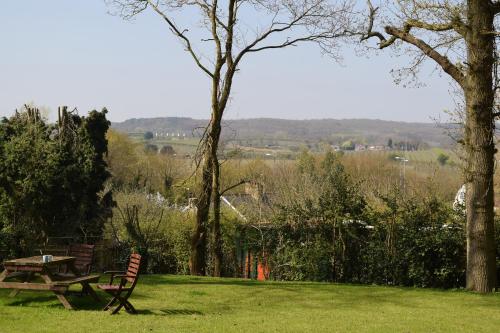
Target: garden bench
[[58, 285], [84, 258]]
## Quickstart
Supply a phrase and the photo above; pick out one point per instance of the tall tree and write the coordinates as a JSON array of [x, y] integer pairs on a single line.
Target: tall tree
[[235, 29], [459, 36], [52, 177]]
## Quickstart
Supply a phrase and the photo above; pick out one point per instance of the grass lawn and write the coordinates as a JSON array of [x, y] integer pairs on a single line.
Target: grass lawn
[[191, 304]]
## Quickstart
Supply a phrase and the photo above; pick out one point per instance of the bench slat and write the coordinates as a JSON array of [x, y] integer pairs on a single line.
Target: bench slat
[[33, 286], [87, 278]]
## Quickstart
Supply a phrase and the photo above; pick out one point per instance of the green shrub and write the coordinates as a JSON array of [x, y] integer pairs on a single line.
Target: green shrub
[[52, 178], [331, 234], [154, 228]]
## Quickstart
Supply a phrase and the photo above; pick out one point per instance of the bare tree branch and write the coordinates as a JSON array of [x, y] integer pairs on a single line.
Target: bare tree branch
[[440, 59], [293, 42], [182, 36], [455, 25], [370, 33], [405, 35], [272, 30], [241, 182]]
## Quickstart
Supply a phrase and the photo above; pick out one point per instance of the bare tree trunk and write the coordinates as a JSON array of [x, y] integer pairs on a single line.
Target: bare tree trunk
[[217, 238], [199, 237], [480, 149], [208, 179]]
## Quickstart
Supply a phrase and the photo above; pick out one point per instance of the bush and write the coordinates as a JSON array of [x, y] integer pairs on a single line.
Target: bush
[[151, 149], [424, 246], [52, 178], [154, 228], [443, 159], [332, 234]]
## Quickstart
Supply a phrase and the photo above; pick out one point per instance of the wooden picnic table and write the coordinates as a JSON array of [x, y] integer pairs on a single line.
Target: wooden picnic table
[[28, 268]]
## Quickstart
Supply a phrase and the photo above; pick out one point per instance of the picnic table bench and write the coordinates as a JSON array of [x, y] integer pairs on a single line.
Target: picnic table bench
[[33, 266]]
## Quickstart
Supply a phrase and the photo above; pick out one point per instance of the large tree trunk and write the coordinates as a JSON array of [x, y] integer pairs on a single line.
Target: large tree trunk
[[208, 179], [480, 149], [199, 237], [216, 232]]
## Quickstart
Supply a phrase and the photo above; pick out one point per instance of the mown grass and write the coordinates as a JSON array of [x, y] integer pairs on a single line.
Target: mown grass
[[192, 304]]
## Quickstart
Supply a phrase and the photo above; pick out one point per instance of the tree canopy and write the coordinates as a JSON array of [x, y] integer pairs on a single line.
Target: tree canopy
[[52, 177]]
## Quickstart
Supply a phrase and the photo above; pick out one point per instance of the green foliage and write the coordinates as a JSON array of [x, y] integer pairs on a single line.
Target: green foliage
[[149, 225], [423, 246], [151, 149], [331, 234], [148, 135], [443, 159], [167, 150], [306, 162], [52, 178], [308, 239], [134, 169], [161, 232], [347, 145], [415, 243]]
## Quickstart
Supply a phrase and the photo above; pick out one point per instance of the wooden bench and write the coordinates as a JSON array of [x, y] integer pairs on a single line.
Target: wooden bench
[[57, 284], [34, 286], [18, 275], [74, 280], [84, 258]]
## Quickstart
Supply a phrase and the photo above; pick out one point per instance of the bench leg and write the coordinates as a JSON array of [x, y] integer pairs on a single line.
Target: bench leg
[[3, 275], [117, 309], [123, 303], [130, 309], [110, 304], [87, 289], [64, 301], [46, 276], [15, 292]]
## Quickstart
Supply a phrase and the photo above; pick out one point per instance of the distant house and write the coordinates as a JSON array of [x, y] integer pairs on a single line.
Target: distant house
[[359, 147], [379, 147]]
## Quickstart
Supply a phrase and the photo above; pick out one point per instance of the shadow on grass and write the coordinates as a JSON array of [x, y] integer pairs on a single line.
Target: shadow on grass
[[170, 312], [176, 312], [151, 280], [50, 301], [159, 280], [291, 286]]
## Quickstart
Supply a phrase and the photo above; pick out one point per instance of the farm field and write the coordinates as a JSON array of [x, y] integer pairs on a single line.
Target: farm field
[[285, 149], [194, 304]]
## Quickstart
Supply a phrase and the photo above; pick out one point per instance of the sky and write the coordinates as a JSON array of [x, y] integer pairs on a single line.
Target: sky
[[74, 53]]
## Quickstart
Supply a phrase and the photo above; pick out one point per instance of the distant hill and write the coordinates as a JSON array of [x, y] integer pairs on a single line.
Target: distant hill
[[329, 130]]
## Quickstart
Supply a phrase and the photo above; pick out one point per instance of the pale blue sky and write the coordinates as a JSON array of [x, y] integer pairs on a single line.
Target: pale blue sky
[[69, 52]]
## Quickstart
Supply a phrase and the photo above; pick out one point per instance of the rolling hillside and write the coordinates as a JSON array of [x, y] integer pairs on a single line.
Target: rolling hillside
[[280, 131]]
